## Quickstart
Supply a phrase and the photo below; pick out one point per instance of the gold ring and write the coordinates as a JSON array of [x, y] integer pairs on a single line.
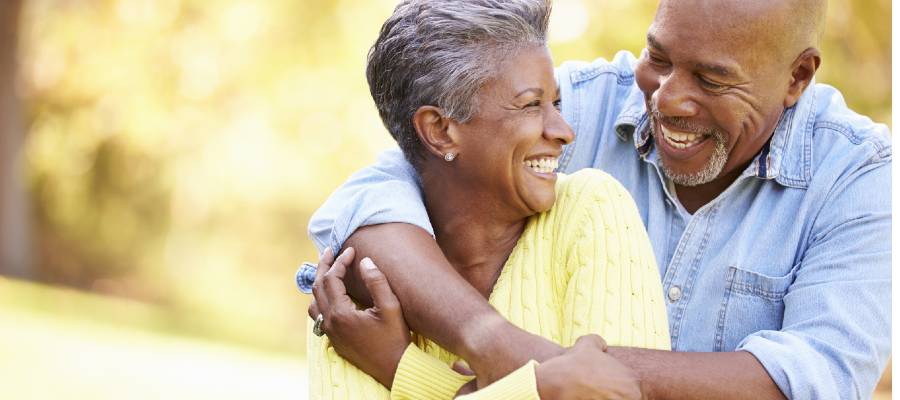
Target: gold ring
[[317, 326]]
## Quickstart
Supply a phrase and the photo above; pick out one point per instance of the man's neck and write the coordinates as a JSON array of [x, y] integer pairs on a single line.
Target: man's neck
[[692, 198]]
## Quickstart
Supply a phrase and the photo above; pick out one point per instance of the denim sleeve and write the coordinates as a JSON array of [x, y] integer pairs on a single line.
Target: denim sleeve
[[385, 192], [835, 337]]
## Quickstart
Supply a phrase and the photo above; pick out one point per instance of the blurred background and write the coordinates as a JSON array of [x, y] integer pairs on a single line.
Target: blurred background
[[160, 159]]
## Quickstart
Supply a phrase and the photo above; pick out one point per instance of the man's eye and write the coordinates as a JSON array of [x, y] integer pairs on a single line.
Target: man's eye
[[535, 103], [707, 84], [557, 104], [655, 60]]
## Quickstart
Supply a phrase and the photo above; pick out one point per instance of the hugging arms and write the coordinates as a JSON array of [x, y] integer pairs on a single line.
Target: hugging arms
[[763, 195]]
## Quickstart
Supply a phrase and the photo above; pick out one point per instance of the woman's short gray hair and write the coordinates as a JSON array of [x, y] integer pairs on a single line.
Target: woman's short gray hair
[[440, 52]]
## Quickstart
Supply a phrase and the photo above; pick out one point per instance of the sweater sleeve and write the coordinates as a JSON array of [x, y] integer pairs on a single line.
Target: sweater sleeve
[[610, 283], [422, 376], [520, 384]]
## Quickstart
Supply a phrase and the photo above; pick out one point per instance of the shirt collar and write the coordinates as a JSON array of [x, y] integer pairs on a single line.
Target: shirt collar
[[784, 158]]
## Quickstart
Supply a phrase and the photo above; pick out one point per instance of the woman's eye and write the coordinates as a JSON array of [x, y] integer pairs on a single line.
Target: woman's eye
[[557, 104], [536, 103]]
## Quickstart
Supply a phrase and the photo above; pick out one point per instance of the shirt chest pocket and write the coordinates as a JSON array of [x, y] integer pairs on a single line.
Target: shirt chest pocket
[[753, 302]]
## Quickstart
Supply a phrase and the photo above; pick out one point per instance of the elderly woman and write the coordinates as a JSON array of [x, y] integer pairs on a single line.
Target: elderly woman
[[466, 87]]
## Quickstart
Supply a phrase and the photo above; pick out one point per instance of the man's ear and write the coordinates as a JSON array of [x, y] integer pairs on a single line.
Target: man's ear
[[802, 72], [433, 129]]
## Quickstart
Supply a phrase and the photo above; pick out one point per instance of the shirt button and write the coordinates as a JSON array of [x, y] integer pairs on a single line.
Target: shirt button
[[674, 293]]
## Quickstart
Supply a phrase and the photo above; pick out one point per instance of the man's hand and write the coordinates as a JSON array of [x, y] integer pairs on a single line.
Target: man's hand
[[372, 339], [586, 371]]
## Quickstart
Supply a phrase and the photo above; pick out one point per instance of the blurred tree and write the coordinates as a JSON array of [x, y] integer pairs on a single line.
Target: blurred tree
[[15, 246]]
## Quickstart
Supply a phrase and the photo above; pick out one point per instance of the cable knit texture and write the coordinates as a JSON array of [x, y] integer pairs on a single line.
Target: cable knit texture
[[585, 266]]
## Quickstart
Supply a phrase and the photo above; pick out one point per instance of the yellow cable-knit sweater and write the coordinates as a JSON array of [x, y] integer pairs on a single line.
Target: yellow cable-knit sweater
[[585, 266]]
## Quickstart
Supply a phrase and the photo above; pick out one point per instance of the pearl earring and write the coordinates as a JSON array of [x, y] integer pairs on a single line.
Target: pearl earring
[[449, 157]]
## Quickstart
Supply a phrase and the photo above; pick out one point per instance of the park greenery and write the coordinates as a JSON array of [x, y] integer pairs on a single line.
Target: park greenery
[[176, 149]]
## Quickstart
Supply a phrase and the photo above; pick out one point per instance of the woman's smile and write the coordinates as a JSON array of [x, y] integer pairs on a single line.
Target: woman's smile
[[542, 166]]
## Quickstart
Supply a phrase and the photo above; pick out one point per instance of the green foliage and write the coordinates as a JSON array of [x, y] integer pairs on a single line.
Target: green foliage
[[177, 148]]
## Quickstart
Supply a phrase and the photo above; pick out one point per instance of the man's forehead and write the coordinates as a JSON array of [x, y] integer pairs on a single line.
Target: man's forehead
[[721, 35], [724, 10]]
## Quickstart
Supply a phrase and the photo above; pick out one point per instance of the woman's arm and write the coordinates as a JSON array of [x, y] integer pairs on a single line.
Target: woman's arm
[[368, 337], [440, 305]]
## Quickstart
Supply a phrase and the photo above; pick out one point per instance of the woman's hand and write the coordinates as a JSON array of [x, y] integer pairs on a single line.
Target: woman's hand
[[586, 371], [372, 339]]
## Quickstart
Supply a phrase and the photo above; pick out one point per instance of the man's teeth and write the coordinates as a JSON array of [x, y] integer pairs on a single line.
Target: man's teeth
[[543, 165], [681, 140]]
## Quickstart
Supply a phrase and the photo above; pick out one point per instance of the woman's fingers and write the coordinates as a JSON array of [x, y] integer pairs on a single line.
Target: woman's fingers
[[329, 292], [324, 265], [378, 286], [591, 340], [462, 367], [325, 262], [313, 309], [333, 281]]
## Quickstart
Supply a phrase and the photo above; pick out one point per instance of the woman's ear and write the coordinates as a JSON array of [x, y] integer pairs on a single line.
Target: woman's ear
[[433, 129], [802, 72]]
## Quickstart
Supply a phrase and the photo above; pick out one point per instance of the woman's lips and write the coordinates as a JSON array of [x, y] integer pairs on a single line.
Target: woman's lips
[[542, 165]]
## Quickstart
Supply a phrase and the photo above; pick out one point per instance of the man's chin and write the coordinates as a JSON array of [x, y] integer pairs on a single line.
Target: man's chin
[[709, 172]]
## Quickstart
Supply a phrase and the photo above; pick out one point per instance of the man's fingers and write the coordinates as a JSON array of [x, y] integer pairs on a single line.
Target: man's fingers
[[378, 286]]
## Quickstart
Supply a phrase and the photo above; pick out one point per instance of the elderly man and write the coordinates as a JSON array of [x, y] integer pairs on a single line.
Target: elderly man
[[767, 201]]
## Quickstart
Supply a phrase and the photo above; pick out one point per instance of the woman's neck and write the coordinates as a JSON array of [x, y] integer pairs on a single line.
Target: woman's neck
[[475, 233]]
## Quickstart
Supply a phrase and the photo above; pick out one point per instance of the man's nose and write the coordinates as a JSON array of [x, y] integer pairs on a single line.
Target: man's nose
[[675, 96]]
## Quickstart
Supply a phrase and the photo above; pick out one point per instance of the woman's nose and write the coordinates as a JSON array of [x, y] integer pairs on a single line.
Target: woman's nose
[[556, 128]]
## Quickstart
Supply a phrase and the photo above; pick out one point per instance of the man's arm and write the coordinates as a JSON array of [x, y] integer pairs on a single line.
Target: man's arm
[[439, 304], [682, 375], [379, 211]]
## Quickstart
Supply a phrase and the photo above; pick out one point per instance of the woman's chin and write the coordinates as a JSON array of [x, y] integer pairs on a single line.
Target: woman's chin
[[543, 202]]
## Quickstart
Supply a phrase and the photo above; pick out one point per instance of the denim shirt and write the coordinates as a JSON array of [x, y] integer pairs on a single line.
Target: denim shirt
[[790, 263]]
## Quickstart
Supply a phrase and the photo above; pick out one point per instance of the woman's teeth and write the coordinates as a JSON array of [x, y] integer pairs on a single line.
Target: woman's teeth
[[543, 165], [681, 140]]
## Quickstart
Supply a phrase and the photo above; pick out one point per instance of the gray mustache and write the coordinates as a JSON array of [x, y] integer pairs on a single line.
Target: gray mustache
[[683, 124]]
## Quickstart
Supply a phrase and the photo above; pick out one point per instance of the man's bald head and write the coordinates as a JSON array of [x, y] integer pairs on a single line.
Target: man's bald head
[[805, 23], [781, 28]]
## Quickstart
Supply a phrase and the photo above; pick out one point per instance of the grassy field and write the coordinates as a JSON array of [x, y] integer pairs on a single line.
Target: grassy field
[[47, 356], [62, 344]]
